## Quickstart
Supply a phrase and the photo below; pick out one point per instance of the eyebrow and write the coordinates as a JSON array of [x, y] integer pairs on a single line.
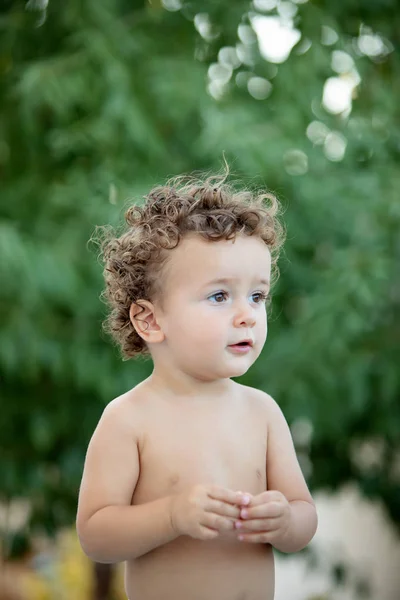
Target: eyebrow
[[225, 280]]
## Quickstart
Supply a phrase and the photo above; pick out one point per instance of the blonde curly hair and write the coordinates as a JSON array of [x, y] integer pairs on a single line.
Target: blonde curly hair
[[133, 261]]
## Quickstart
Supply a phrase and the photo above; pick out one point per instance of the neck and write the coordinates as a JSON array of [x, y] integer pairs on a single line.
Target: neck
[[181, 384]]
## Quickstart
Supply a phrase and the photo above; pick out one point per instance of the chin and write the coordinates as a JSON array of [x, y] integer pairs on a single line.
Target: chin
[[237, 370], [226, 371]]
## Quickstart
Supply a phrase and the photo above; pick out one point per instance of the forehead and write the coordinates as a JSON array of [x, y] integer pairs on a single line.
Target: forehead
[[196, 261]]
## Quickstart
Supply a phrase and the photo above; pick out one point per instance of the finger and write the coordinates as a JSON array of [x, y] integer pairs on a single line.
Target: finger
[[218, 493], [222, 508], [255, 538], [244, 498], [265, 497], [258, 525], [208, 534], [268, 510], [217, 522]]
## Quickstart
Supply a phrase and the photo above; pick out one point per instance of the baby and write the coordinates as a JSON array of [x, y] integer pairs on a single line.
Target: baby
[[190, 477]]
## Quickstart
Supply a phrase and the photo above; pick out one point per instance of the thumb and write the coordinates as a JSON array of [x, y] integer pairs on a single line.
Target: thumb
[[246, 498], [263, 498]]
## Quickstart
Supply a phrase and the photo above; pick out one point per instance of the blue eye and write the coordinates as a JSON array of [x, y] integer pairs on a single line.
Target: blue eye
[[219, 297]]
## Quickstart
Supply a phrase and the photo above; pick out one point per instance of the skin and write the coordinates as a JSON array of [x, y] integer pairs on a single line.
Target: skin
[[190, 477]]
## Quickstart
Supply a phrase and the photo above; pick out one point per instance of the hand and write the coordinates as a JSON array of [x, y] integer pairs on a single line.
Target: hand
[[266, 520], [205, 511]]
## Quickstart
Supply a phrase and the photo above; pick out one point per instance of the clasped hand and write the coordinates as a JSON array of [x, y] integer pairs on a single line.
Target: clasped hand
[[205, 511], [264, 518]]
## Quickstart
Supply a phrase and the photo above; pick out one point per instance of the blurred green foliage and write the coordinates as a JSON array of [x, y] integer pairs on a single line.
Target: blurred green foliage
[[99, 101]]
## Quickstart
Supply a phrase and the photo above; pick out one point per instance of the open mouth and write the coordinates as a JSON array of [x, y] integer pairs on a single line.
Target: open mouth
[[242, 346], [244, 343]]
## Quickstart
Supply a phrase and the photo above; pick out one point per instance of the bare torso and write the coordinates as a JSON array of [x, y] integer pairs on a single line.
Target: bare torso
[[187, 442]]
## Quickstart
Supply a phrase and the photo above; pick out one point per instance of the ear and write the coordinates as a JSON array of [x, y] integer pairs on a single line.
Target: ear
[[143, 318]]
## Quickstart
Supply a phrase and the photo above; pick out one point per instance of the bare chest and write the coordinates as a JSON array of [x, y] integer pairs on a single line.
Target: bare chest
[[187, 446]]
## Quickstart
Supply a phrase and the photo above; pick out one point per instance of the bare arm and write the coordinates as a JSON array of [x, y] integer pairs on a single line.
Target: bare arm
[[302, 529], [109, 528], [119, 533], [284, 475]]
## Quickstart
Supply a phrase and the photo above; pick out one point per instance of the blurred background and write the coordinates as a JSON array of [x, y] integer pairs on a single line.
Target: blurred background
[[101, 100]]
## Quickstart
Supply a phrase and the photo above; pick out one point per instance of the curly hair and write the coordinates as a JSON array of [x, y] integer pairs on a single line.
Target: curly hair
[[133, 260]]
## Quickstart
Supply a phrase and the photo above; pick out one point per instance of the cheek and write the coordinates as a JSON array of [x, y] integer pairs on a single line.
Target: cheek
[[208, 324], [265, 321], [263, 328]]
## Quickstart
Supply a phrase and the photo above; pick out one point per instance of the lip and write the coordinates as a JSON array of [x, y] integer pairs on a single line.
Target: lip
[[237, 349], [248, 341]]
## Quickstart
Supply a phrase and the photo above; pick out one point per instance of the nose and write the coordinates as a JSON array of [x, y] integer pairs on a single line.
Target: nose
[[245, 316]]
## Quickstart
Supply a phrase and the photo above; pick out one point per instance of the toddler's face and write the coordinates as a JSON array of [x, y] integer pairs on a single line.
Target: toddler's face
[[213, 298]]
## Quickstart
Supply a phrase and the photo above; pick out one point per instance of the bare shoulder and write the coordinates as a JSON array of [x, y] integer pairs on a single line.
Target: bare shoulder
[[125, 411], [261, 399], [283, 469]]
